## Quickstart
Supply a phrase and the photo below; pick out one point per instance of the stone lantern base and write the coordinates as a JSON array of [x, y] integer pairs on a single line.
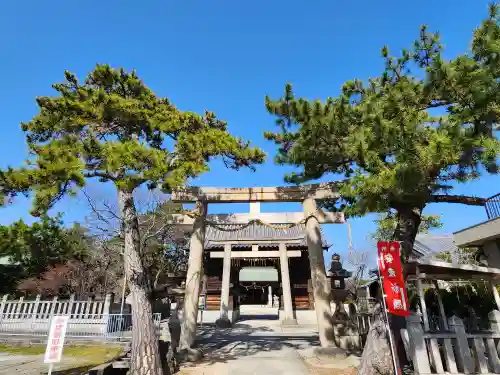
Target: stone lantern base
[[345, 329], [347, 336]]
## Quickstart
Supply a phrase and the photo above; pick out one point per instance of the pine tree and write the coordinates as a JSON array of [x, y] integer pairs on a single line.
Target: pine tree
[[114, 129], [402, 140], [405, 138]]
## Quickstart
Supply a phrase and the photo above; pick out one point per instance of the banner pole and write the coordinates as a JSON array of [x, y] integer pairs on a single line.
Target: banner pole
[[51, 365], [387, 326]]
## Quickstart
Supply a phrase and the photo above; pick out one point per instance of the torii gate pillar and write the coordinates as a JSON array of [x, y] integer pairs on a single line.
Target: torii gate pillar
[[319, 280]]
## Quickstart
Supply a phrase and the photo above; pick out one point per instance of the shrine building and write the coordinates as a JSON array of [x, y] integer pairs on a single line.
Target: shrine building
[[255, 271]]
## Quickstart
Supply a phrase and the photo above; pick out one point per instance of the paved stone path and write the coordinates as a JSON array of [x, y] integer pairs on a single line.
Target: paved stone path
[[251, 347], [263, 347], [33, 365]]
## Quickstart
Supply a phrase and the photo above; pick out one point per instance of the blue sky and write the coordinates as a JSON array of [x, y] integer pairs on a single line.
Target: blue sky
[[224, 56]]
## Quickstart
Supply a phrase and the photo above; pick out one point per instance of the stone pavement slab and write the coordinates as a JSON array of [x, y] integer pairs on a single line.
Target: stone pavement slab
[[32, 364], [279, 362], [250, 367], [20, 364], [260, 347]]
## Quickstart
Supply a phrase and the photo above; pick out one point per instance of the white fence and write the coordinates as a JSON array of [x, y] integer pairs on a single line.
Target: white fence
[[363, 321], [46, 309], [453, 351], [88, 319], [93, 327]]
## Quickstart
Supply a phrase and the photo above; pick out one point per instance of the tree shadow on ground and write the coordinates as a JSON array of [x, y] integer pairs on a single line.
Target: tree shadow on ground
[[242, 340]]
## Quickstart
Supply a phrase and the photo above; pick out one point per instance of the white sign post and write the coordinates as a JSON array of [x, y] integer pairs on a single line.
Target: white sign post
[[55, 342]]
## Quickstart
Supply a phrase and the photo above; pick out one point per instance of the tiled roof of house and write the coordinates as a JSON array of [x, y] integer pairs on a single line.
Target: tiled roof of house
[[215, 237]]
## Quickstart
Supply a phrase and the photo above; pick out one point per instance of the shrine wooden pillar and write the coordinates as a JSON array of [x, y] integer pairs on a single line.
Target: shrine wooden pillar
[[288, 318], [226, 276]]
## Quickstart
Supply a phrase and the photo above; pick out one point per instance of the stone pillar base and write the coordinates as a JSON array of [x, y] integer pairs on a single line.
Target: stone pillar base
[[223, 322], [289, 322]]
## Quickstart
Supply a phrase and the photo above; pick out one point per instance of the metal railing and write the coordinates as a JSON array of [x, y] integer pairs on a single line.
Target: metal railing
[[107, 327], [492, 206]]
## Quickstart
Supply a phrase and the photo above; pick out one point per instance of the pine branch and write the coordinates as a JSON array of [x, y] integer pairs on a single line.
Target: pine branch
[[462, 199]]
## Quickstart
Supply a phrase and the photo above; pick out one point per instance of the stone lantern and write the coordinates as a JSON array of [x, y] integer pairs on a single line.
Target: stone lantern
[[346, 335], [337, 275]]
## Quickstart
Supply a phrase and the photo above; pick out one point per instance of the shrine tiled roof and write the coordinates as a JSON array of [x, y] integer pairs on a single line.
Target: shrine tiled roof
[[216, 236], [428, 245]]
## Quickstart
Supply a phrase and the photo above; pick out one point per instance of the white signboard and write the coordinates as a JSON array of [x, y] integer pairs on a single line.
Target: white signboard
[[55, 343]]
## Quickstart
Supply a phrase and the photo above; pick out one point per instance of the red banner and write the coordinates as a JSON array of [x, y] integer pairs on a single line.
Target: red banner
[[391, 272]]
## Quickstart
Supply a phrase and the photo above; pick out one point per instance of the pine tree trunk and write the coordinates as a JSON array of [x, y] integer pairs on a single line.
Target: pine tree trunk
[[376, 358], [145, 357], [409, 219]]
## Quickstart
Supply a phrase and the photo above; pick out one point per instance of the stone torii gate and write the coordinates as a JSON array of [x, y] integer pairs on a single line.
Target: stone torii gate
[[313, 217]]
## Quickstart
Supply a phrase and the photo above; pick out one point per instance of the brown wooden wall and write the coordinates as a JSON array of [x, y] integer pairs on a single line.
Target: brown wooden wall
[[302, 296]]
